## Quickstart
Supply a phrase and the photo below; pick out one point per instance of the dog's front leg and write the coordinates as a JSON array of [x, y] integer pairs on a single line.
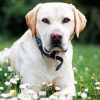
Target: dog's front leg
[[66, 93]]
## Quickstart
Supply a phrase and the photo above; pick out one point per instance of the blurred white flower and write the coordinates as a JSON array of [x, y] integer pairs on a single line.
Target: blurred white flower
[[45, 99], [5, 74], [97, 88], [57, 88], [75, 69], [0, 69], [84, 95], [5, 95], [79, 93], [42, 93], [24, 86], [86, 90], [13, 81], [1, 88], [12, 93], [97, 83], [17, 78], [27, 94], [7, 83], [92, 77], [10, 69], [53, 97], [75, 82]]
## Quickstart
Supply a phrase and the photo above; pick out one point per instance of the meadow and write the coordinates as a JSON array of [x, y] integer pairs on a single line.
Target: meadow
[[86, 66]]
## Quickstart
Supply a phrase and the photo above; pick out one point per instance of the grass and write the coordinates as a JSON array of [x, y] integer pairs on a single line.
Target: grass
[[86, 61], [87, 57], [86, 67]]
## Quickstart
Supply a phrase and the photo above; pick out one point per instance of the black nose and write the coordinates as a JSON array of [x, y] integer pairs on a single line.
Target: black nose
[[56, 38]]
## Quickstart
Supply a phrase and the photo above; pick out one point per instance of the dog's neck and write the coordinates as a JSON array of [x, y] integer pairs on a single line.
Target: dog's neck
[[53, 55]]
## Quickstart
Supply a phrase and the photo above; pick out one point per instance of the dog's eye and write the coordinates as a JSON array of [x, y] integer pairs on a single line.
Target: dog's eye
[[45, 20], [65, 20]]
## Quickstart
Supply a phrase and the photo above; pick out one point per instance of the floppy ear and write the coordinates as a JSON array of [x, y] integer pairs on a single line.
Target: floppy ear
[[31, 18], [80, 20]]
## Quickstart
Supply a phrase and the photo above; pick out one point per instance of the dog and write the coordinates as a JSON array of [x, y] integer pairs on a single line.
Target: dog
[[44, 53]]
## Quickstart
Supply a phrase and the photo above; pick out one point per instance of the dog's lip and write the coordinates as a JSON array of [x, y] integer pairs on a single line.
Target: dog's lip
[[59, 49]]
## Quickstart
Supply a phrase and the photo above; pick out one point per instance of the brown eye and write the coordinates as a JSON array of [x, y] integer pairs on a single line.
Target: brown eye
[[45, 20], [65, 20]]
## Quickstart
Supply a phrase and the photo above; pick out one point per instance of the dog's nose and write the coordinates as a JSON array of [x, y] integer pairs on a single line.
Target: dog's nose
[[56, 36]]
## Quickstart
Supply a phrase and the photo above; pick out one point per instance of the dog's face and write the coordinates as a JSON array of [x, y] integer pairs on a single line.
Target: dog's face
[[55, 23]]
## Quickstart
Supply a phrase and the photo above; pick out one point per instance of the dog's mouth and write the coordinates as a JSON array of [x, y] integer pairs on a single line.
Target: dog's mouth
[[56, 48]]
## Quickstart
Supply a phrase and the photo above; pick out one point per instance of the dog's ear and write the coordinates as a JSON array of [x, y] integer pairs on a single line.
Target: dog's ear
[[31, 18], [80, 20]]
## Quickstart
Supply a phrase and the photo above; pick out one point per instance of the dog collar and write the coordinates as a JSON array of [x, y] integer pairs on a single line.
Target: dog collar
[[52, 55]]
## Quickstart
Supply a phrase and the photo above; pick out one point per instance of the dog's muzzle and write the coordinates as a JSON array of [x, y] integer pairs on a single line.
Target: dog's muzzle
[[53, 54]]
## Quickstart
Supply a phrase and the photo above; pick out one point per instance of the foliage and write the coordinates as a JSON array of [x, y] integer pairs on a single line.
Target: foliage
[[9, 81]]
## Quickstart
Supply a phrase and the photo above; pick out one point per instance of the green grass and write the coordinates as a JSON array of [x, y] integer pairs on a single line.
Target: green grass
[[87, 57], [86, 61]]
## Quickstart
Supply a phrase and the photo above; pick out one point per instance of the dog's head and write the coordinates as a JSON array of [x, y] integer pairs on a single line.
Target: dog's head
[[55, 23]]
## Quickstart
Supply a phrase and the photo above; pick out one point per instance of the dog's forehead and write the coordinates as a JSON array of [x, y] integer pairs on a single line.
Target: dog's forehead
[[52, 9], [54, 5]]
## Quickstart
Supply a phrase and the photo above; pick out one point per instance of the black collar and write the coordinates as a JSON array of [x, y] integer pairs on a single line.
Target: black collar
[[53, 55]]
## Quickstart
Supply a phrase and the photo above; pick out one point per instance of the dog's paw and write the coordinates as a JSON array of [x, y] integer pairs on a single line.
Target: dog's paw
[[60, 96]]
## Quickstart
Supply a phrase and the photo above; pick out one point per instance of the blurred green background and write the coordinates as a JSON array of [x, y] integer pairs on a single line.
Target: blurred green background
[[12, 17]]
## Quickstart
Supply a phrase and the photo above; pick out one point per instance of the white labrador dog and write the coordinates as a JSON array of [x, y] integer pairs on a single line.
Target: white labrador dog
[[51, 26]]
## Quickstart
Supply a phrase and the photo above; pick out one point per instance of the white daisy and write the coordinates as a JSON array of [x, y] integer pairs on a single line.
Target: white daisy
[[5, 74], [75, 69], [42, 93], [57, 88], [97, 83], [0, 69], [86, 90], [97, 88], [7, 83], [53, 97], [13, 81], [10, 69], [84, 95], [1, 88]]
